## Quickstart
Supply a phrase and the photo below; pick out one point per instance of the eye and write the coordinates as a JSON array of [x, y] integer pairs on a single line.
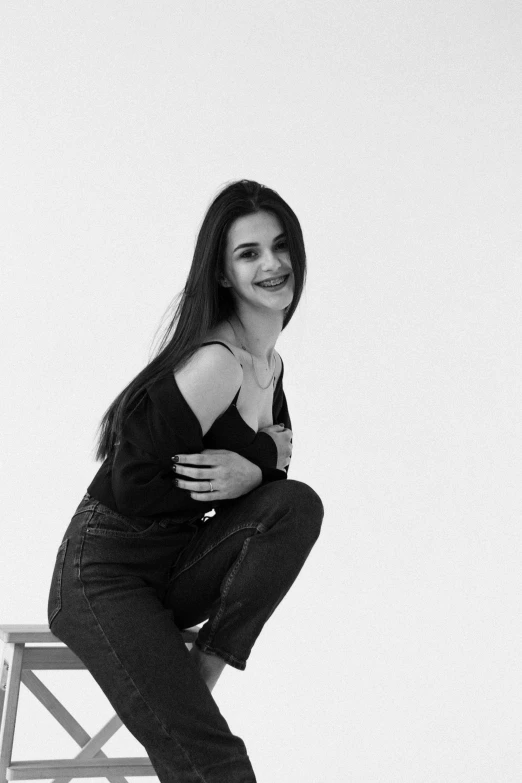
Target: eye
[[283, 245], [247, 254]]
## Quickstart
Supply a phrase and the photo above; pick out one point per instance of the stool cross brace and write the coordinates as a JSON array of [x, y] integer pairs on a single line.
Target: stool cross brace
[[18, 666]]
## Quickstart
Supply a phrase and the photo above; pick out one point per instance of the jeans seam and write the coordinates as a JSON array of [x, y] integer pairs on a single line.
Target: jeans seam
[[121, 534], [169, 734], [78, 549], [226, 589], [91, 507], [259, 528], [62, 553]]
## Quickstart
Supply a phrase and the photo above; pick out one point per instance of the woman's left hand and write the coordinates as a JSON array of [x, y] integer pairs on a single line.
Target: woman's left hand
[[219, 474]]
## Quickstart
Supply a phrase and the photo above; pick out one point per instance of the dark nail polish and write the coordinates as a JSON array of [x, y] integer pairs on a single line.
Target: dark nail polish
[[176, 482], [175, 459]]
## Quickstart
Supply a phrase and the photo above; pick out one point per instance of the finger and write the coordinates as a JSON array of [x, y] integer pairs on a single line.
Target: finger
[[206, 496], [196, 486], [206, 472], [193, 459]]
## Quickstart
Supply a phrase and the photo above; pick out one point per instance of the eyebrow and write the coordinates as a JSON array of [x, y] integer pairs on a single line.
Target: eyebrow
[[256, 244]]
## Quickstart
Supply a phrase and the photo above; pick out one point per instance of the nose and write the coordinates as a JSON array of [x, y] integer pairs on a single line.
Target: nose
[[270, 260]]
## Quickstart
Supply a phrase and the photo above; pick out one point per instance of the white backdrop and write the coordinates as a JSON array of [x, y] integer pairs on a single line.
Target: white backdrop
[[393, 129]]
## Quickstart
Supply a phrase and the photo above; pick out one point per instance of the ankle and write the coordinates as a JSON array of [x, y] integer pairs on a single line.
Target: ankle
[[209, 666]]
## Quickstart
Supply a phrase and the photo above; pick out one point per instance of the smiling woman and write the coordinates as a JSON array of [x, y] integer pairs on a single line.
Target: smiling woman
[[263, 263], [205, 426]]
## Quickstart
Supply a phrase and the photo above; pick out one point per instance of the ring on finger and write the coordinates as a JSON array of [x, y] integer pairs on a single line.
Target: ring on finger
[[211, 487]]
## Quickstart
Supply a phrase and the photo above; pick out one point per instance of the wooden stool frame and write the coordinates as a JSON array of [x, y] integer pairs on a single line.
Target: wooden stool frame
[[18, 666]]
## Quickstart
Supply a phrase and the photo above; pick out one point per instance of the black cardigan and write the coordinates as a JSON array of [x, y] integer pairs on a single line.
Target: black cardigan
[[138, 480]]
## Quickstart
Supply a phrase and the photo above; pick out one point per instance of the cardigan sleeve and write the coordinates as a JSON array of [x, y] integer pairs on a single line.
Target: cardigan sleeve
[[142, 479]]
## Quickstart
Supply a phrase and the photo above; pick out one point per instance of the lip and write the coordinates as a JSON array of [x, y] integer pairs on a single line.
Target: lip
[[275, 287]]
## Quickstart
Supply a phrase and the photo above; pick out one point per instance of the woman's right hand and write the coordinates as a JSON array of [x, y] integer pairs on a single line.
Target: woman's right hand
[[283, 440]]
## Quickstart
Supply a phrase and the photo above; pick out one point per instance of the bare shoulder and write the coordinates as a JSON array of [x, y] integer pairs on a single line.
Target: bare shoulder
[[209, 381], [211, 364]]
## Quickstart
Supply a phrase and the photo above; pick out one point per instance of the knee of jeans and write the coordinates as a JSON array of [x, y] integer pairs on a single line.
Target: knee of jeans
[[309, 504]]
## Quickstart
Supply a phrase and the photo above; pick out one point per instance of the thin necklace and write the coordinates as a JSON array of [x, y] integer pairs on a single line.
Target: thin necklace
[[243, 346]]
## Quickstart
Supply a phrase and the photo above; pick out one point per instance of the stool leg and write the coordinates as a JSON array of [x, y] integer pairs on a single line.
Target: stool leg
[[3, 684], [13, 656]]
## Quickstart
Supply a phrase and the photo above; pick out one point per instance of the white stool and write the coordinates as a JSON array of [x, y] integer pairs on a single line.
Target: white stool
[[18, 666]]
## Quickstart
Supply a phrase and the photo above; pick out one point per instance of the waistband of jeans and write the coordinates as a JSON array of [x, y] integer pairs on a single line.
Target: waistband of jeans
[[88, 502]]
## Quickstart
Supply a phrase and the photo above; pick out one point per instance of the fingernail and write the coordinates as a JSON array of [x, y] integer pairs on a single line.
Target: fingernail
[[175, 459], [176, 482], [174, 468]]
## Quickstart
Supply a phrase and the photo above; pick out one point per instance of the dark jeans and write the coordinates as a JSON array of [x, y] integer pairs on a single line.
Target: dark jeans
[[123, 587]]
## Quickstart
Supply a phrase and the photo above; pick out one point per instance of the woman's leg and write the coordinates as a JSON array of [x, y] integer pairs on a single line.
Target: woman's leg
[[104, 603], [240, 565]]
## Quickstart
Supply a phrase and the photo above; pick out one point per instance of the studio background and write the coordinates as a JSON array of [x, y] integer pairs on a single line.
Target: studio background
[[393, 130]]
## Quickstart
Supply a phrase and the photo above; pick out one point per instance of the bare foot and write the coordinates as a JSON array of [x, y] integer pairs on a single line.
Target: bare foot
[[209, 666]]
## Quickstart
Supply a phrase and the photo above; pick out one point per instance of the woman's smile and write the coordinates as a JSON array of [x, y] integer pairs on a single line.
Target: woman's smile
[[274, 283]]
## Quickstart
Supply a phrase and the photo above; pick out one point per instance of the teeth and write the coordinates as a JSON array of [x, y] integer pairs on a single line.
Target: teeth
[[271, 283]]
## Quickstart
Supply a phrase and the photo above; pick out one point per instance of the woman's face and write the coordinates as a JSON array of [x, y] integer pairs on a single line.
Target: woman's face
[[257, 266]]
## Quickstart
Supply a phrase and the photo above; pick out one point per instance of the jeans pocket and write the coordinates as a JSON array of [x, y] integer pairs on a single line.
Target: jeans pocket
[[114, 525], [55, 593]]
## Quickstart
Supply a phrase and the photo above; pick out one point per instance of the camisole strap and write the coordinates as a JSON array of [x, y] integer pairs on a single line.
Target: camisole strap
[[218, 342], [235, 398]]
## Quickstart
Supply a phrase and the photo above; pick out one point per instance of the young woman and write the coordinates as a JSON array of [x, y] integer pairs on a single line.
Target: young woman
[[204, 426]]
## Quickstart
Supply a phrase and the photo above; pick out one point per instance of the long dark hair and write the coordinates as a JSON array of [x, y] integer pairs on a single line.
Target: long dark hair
[[204, 303]]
